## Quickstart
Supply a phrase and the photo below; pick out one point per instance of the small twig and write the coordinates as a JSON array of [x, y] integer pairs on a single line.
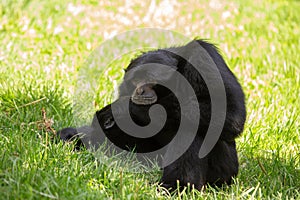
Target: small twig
[[28, 104], [47, 123], [262, 167]]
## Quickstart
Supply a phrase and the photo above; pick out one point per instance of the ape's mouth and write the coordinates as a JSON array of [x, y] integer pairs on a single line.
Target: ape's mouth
[[144, 100]]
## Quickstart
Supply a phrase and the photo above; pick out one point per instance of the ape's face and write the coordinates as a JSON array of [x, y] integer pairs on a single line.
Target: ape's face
[[142, 84]]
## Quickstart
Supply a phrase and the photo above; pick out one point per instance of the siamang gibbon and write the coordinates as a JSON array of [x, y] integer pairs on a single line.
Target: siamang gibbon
[[144, 90]]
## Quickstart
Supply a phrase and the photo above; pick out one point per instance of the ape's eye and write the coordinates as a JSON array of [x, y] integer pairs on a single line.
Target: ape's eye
[[135, 81], [109, 123]]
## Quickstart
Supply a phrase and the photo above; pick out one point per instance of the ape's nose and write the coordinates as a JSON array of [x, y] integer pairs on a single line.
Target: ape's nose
[[140, 91]]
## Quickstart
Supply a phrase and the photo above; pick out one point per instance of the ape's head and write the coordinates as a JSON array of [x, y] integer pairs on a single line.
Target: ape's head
[[141, 83]]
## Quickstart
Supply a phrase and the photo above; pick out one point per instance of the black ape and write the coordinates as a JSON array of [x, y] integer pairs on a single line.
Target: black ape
[[221, 164]]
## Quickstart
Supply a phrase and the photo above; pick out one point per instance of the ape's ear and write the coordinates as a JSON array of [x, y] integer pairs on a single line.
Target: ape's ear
[[175, 62], [172, 60], [110, 122]]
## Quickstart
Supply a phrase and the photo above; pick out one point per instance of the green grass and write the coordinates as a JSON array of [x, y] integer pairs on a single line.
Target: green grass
[[44, 44]]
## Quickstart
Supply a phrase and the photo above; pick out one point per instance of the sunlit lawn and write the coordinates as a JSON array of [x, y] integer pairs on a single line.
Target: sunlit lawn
[[44, 44]]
